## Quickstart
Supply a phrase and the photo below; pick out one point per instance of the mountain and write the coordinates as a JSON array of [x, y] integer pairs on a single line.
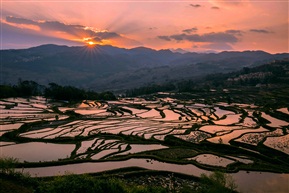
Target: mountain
[[108, 67], [266, 85]]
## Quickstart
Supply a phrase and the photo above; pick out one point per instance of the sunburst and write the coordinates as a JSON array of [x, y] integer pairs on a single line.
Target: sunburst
[[91, 43]]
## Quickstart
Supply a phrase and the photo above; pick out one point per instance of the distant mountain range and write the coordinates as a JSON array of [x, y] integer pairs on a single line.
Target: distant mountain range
[[112, 68]]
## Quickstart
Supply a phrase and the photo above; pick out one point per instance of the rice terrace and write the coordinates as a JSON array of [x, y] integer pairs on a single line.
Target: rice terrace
[[172, 132]]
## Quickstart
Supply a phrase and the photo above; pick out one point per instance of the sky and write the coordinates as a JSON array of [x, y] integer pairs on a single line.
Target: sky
[[196, 25]]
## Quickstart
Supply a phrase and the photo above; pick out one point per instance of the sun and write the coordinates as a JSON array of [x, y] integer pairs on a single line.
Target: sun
[[90, 43]]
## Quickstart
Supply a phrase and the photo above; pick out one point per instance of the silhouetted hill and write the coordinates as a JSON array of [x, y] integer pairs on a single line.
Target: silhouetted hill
[[270, 77], [108, 67]]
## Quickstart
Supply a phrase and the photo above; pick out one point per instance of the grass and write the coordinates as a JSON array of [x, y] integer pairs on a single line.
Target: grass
[[10, 186]]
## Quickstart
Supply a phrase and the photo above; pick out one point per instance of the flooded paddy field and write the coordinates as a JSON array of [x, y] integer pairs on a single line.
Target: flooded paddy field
[[162, 132]]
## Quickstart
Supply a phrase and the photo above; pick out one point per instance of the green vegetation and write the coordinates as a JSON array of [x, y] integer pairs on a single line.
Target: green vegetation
[[260, 85], [12, 181], [70, 93], [22, 89], [153, 88], [172, 154], [218, 182], [85, 183], [7, 165], [53, 91]]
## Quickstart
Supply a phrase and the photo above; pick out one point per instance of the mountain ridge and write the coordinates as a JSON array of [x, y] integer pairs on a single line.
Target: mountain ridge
[[108, 67]]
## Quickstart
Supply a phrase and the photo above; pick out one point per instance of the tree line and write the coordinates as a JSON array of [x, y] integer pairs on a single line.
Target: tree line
[[54, 91], [276, 73]]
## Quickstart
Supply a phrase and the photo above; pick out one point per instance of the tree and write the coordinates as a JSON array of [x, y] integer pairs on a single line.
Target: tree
[[218, 182], [7, 165]]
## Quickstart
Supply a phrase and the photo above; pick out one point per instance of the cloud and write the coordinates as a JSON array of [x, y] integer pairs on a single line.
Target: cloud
[[180, 37], [18, 20], [260, 31], [153, 28], [14, 37], [195, 5], [235, 32], [107, 35], [215, 7], [191, 30], [166, 38], [72, 32], [54, 26], [208, 37]]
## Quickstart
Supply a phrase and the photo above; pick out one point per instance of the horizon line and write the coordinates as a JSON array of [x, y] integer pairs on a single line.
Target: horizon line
[[170, 49]]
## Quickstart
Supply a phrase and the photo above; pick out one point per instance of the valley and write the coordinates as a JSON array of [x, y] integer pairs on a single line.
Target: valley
[[163, 132]]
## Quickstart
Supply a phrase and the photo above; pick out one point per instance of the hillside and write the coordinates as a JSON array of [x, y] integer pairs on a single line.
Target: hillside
[[261, 85], [112, 68]]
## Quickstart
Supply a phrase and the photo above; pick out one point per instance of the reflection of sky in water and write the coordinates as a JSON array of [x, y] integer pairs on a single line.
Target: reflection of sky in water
[[90, 111], [170, 115], [234, 134], [255, 138], [217, 128], [151, 113], [274, 122], [284, 110], [220, 112], [230, 119], [103, 166], [36, 151], [136, 148], [262, 182], [280, 143], [252, 182], [210, 159], [249, 122], [147, 122]]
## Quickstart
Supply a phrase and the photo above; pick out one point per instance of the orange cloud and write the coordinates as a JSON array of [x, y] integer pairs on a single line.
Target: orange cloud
[[22, 25], [78, 33]]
